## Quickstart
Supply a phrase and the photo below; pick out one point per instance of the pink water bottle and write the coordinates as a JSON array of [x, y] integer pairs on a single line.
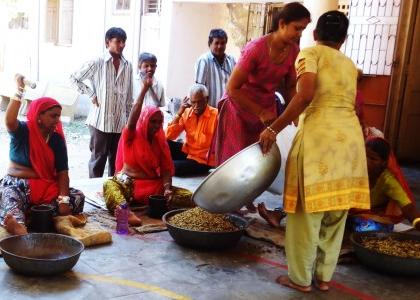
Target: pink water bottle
[[122, 218]]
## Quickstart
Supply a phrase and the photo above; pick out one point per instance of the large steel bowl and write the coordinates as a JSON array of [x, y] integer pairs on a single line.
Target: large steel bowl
[[239, 180], [206, 240], [384, 263], [41, 254]]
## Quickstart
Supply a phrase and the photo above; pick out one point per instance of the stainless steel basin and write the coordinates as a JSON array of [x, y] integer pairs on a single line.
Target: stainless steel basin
[[41, 254], [239, 180]]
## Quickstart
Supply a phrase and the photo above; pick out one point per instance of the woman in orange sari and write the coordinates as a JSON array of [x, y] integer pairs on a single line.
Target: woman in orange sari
[[144, 165], [390, 197], [38, 170]]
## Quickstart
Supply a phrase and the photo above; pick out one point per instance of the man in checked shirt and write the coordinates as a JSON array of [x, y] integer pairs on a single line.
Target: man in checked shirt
[[111, 93]]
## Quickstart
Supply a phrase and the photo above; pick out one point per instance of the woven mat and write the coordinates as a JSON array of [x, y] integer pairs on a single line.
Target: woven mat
[[108, 221], [84, 229], [259, 229]]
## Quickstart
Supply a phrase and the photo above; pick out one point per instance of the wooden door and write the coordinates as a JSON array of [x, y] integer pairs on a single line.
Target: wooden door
[[408, 142]]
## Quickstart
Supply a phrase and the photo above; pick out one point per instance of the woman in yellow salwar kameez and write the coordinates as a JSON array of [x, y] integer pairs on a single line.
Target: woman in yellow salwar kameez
[[326, 171]]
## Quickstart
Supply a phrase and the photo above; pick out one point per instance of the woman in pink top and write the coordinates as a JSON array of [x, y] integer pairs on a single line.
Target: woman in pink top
[[265, 65]]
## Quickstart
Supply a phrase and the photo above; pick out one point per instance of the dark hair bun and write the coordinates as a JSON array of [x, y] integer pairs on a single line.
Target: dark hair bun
[[332, 27]]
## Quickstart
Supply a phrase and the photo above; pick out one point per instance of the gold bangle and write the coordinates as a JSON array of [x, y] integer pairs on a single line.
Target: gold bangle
[[415, 221], [271, 130]]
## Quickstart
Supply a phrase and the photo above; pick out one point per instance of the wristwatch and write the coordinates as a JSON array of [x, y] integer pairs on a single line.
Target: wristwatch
[[63, 199]]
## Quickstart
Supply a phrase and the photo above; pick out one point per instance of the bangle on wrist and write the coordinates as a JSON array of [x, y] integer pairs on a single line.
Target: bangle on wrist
[[272, 130], [415, 221], [63, 199], [19, 94]]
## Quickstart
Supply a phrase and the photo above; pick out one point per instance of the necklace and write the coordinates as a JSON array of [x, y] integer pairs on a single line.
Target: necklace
[[281, 55]]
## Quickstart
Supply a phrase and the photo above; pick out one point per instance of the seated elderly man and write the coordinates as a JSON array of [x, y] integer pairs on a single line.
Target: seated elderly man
[[199, 121]]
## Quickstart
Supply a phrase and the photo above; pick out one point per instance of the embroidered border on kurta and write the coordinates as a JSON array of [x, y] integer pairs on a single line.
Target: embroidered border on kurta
[[331, 195]]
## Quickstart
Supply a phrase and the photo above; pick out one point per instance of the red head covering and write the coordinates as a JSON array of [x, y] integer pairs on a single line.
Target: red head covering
[[151, 158], [135, 150], [44, 189]]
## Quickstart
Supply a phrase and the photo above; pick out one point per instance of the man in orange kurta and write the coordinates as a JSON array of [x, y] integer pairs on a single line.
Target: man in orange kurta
[[199, 121]]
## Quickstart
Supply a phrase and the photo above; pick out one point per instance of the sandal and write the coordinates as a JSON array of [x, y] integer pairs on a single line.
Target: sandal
[[285, 280]]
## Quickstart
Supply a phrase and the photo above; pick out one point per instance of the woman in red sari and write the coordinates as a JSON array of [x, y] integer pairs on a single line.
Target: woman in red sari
[[38, 170], [144, 165]]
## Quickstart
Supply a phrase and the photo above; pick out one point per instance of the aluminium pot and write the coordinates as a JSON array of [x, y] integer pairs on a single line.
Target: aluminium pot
[[239, 180]]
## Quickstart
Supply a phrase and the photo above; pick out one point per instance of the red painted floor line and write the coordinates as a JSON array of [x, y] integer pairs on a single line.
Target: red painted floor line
[[348, 290]]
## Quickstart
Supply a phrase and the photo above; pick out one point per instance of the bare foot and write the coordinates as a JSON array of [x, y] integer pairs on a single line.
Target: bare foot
[[285, 280], [272, 217], [322, 285], [133, 220], [251, 208], [13, 227]]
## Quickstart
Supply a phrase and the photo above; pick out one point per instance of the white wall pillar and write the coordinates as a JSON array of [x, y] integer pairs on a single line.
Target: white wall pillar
[[317, 8]]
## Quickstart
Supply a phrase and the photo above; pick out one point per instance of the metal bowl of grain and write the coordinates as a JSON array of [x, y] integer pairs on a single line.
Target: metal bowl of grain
[[391, 253], [195, 233]]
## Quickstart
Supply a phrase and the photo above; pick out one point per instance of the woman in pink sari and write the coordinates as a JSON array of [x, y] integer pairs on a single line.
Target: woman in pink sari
[[143, 165], [265, 64]]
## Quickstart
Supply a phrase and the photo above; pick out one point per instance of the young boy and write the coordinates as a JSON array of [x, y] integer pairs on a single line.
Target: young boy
[[155, 96], [111, 80]]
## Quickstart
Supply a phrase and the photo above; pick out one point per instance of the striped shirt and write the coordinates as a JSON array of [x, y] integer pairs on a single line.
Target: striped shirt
[[114, 91], [149, 99], [213, 75]]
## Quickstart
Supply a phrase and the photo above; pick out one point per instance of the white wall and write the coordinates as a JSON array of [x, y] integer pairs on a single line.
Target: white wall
[[184, 38], [91, 19], [17, 45]]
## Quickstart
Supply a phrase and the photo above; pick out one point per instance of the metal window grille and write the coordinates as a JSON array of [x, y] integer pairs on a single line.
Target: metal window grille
[[122, 5], [255, 22], [344, 8], [152, 6], [372, 35]]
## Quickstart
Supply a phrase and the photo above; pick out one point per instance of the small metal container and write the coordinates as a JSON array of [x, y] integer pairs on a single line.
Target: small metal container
[[41, 218], [157, 206]]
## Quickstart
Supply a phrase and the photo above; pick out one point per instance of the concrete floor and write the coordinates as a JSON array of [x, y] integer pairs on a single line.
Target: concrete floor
[[154, 267]]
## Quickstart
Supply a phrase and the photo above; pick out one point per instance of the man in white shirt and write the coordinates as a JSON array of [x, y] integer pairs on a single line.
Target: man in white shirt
[[155, 96], [111, 78], [213, 68]]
